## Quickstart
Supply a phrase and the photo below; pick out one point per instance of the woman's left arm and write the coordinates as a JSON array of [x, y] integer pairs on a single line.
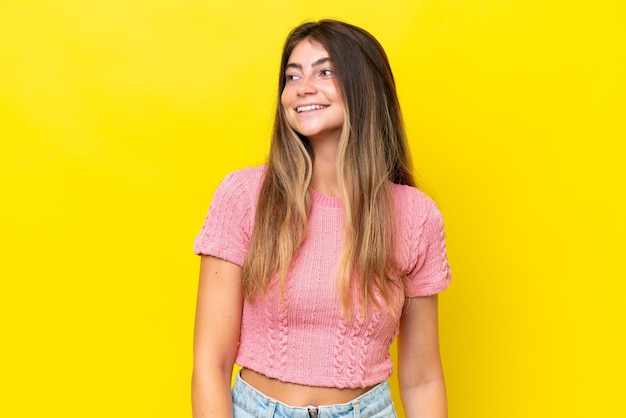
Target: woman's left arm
[[420, 373]]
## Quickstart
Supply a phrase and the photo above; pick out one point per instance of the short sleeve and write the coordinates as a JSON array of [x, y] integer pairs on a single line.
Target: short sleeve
[[228, 225], [431, 273]]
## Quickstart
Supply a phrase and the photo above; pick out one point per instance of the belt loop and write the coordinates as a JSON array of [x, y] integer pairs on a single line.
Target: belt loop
[[357, 409], [270, 409]]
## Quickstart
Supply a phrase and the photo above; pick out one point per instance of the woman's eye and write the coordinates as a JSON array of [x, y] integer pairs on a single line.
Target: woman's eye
[[327, 73], [292, 77]]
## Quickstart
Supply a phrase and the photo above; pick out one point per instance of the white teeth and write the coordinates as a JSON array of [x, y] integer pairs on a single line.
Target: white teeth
[[309, 108]]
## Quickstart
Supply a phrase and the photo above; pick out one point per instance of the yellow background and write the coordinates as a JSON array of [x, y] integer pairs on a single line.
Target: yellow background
[[118, 118]]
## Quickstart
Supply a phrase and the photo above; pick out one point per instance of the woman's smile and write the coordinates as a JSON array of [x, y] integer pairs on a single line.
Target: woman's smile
[[311, 98]]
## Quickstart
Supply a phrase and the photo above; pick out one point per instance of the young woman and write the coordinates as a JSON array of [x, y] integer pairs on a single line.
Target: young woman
[[314, 263]]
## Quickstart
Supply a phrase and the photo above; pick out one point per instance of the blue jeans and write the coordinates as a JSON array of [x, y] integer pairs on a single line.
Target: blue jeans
[[250, 403]]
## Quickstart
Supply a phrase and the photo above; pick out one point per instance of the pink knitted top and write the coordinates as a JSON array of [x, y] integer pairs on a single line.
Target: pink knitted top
[[304, 338]]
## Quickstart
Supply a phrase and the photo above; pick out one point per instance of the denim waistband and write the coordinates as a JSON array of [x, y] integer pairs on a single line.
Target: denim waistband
[[370, 403]]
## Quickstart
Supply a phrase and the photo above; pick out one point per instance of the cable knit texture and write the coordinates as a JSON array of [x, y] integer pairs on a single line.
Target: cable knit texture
[[303, 339]]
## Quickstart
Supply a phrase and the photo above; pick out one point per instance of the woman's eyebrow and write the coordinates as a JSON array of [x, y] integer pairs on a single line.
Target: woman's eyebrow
[[315, 64]]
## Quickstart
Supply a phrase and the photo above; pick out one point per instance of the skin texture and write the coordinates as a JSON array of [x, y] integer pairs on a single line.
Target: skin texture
[[420, 374], [311, 81], [218, 321]]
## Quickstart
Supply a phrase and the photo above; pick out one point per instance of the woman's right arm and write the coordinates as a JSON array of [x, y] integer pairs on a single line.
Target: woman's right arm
[[216, 336]]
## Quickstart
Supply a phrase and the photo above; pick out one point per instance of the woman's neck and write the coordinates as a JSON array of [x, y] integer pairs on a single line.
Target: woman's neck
[[324, 176]]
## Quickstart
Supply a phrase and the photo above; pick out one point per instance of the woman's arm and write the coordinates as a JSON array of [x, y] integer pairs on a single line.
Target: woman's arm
[[217, 329], [420, 373]]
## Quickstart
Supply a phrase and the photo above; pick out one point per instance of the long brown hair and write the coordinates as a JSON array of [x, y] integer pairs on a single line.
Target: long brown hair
[[372, 153]]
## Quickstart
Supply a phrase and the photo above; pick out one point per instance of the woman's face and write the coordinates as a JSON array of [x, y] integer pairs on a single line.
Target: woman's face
[[311, 97]]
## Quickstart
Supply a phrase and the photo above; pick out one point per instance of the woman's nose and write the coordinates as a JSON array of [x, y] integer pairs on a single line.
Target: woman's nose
[[307, 86]]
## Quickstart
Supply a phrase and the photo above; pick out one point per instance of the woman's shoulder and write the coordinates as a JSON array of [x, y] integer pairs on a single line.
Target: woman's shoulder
[[248, 174], [241, 185], [411, 198], [248, 177], [418, 217], [416, 208]]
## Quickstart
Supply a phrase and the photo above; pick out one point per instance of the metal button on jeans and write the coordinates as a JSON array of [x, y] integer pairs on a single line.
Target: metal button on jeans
[[313, 412]]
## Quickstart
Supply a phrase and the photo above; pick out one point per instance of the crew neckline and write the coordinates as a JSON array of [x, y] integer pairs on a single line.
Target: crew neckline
[[324, 200]]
